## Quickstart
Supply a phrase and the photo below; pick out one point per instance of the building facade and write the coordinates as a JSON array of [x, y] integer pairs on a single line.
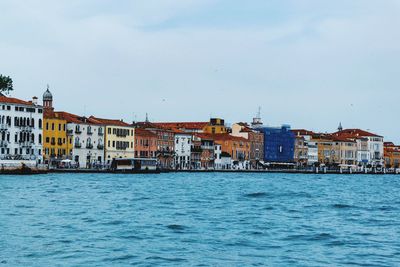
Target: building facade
[[145, 144], [392, 155], [119, 139], [278, 144], [21, 130], [86, 138], [183, 146], [255, 138]]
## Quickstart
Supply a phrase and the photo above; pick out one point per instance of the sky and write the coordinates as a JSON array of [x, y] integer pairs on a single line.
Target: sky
[[307, 63]]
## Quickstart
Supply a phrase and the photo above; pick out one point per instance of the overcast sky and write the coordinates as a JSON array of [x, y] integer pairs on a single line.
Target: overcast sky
[[308, 63]]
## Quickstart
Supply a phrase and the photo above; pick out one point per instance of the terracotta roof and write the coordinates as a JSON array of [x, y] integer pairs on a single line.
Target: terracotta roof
[[144, 133], [389, 144], [108, 121], [146, 125], [221, 137], [302, 132], [182, 125], [356, 133], [11, 100]]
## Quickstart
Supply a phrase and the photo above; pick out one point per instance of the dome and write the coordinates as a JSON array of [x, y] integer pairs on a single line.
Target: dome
[[47, 96]]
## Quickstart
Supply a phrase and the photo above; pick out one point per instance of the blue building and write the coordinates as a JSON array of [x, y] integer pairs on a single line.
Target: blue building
[[278, 144]]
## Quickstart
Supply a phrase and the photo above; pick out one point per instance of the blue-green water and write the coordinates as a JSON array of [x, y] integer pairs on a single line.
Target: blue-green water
[[207, 219]]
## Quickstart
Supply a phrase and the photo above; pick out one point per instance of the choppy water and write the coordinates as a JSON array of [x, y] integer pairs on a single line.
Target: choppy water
[[199, 220]]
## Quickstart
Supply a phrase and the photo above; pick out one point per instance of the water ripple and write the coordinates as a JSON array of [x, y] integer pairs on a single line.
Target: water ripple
[[199, 219]]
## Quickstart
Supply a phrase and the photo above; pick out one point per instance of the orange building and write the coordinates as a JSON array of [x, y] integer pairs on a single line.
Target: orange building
[[392, 155], [238, 147], [145, 144]]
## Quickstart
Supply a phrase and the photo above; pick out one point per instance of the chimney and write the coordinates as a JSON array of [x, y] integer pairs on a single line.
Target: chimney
[[35, 100]]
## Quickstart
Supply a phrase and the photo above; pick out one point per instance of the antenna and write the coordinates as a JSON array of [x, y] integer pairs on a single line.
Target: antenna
[[259, 112]]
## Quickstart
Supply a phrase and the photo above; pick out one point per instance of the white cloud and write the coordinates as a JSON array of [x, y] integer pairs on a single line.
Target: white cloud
[[311, 72]]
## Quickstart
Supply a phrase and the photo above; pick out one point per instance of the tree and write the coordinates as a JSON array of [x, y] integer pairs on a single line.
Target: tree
[[6, 84]]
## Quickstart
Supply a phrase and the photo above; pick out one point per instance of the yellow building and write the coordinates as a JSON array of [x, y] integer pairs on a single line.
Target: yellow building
[[119, 139], [56, 145], [215, 126]]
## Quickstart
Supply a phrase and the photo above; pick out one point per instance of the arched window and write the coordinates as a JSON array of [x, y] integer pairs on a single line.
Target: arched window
[[40, 123]]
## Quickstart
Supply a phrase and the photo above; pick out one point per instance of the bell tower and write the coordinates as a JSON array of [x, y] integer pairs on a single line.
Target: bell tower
[[48, 99]]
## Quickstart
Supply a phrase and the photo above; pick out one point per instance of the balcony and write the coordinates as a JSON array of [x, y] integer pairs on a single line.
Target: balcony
[[78, 131], [100, 133], [89, 132], [100, 146], [53, 143], [89, 146], [78, 145], [26, 128], [70, 132], [26, 144]]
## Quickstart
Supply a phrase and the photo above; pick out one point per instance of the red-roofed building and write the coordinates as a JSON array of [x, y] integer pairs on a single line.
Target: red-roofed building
[[145, 144], [21, 125], [165, 143], [119, 139], [392, 155], [369, 146]]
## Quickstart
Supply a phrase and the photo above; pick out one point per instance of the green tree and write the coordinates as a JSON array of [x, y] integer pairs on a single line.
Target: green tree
[[6, 84]]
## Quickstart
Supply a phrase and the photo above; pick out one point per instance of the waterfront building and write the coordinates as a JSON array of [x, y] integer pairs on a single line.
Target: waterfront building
[[326, 150], [347, 151], [183, 146], [21, 126], [56, 146], [392, 155], [86, 137], [335, 151], [300, 151], [165, 143], [119, 139], [255, 138], [223, 160], [305, 145], [238, 148], [370, 146], [278, 144], [195, 153], [207, 152], [145, 144]]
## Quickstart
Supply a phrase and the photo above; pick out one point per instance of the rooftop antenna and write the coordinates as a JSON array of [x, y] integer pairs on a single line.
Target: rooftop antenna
[[259, 112], [147, 117]]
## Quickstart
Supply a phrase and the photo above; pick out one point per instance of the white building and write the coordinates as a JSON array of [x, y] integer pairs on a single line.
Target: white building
[[369, 146], [21, 125], [87, 141], [222, 160], [312, 150], [183, 144]]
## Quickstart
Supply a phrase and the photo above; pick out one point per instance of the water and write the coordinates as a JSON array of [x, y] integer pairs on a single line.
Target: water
[[207, 219]]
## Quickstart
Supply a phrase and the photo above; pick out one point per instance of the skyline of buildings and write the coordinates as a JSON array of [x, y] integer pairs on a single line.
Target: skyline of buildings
[[39, 133]]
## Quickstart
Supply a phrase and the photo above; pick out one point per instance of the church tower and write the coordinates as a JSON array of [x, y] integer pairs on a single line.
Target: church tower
[[48, 99]]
